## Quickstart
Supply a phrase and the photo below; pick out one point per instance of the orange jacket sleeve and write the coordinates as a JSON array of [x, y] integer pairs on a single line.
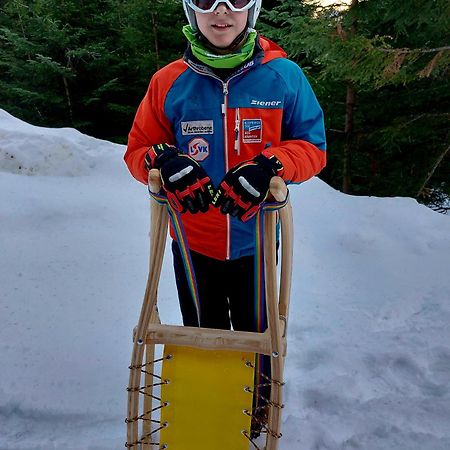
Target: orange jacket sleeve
[[151, 126], [301, 160]]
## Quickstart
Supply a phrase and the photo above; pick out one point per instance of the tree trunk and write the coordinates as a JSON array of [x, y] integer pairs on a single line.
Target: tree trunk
[[68, 99], [349, 123], [348, 147], [155, 37]]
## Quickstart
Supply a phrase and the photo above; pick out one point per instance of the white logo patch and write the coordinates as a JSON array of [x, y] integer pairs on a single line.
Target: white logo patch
[[197, 127], [263, 103], [198, 149]]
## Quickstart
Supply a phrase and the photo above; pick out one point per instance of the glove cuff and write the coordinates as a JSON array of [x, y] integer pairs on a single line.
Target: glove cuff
[[158, 154], [270, 163]]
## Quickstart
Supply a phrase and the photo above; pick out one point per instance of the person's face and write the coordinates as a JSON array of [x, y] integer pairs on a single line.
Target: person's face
[[222, 26]]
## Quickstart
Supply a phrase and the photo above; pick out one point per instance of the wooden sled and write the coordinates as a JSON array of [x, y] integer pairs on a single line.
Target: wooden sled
[[198, 393]]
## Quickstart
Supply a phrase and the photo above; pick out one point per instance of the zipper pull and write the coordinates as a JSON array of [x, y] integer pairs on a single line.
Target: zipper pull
[[237, 147], [225, 88]]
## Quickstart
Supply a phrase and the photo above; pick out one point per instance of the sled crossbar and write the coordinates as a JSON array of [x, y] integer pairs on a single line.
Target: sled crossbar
[[210, 338]]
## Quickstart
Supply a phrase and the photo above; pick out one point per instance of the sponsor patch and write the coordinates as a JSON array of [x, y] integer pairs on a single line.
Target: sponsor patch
[[263, 103], [197, 127], [198, 149], [251, 131]]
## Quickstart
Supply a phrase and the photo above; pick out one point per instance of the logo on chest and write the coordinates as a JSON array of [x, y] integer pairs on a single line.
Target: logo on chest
[[198, 149], [251, 131], [265, 103], [197, 127]]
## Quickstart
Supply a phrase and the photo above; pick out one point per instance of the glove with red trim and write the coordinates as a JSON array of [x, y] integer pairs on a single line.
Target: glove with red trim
[[246, 186], [187, 185]]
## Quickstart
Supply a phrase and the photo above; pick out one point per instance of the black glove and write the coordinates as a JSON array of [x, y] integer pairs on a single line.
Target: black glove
[[186, 183], [246, 186]]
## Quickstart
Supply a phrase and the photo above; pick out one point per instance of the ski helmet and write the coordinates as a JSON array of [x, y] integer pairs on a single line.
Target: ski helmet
[[206, 6]]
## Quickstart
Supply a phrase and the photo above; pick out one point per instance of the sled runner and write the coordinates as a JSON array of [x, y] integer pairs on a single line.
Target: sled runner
[[198, 391]]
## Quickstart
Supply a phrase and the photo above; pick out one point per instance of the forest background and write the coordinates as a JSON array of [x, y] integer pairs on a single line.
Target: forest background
[[380, 69]]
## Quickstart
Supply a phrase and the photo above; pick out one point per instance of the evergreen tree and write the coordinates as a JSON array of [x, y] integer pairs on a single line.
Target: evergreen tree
[[381, 70], [85, 66]]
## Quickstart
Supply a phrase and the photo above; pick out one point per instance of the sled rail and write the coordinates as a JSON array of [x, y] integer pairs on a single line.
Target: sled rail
[[150, 331]]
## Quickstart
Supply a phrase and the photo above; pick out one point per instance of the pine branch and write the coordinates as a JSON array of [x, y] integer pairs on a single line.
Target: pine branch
[[332, 6], [413, 50], [421, 116], [433, 169]]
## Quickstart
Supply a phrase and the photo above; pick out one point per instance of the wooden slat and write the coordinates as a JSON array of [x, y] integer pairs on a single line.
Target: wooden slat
[[149, 370], [209, 338], [159, 225], [287, 250], [276, 322], [278, 189]]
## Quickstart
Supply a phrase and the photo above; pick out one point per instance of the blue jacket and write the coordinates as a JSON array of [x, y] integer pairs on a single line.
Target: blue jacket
[[267, 104]]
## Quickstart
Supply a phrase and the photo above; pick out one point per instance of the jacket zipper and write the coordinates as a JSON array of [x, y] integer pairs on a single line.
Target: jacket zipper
[[236, 129], [225, 132]]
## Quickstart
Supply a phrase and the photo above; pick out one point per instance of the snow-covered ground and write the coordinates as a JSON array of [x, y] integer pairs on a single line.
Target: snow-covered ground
[[369, 336]]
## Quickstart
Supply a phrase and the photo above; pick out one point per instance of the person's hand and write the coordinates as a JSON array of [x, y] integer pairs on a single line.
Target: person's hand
[[246, 186], [187, 185]]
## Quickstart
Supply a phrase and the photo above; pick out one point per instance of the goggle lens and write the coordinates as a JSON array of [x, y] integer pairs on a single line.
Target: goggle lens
[[206, 5]]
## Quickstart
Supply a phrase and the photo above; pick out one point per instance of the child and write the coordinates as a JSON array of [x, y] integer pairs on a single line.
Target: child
[[219, 124]]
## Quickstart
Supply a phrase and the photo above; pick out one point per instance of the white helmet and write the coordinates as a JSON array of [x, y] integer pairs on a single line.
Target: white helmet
[[207, 6]]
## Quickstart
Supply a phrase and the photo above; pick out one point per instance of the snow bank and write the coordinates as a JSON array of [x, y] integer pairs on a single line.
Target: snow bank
[[368, 362], [30, 150]]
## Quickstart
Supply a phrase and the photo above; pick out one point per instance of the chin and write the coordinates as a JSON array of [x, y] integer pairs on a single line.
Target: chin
[[222, 43]]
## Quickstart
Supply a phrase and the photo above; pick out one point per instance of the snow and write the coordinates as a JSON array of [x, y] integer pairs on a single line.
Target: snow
[[368, 362]]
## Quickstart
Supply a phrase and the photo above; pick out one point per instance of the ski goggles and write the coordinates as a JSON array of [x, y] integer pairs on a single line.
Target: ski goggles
[[208, 6]]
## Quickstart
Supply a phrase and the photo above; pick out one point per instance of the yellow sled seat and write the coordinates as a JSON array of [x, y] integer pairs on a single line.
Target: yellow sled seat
[[207, 397]]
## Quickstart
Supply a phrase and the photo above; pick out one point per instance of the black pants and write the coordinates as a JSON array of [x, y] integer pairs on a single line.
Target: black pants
[[226, 292]]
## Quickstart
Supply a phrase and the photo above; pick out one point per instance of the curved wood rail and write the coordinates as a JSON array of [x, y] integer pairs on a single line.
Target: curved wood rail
[[273, 342], [158, 235]]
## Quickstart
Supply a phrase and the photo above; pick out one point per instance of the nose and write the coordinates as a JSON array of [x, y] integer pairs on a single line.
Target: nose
[[221, 8]]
